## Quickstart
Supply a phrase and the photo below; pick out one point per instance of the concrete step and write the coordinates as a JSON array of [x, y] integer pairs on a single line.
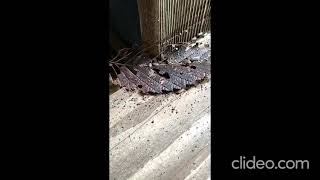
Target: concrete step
[[159, 137]]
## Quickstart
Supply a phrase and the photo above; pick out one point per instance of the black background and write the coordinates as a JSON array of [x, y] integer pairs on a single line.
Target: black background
[[266, 87], [266, 91]]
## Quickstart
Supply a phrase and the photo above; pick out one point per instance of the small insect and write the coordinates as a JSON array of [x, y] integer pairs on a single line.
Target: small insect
[[186, 61]]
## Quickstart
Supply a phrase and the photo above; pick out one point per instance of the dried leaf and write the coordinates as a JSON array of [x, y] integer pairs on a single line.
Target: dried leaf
[[182, 66]]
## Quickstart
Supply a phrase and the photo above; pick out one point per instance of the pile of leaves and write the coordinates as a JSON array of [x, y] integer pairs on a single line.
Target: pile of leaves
[[177, 67]]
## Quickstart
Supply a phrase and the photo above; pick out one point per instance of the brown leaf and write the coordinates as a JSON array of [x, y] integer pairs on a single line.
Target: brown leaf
[[182, 67]]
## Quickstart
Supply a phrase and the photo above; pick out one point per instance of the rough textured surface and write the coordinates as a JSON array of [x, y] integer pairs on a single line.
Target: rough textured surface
[[160, 137]]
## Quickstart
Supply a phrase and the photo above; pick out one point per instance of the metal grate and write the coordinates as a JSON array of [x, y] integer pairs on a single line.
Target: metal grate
[[172, 21]]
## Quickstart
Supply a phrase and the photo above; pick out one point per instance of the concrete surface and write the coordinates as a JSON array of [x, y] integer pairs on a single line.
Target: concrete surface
[[160, 137]]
